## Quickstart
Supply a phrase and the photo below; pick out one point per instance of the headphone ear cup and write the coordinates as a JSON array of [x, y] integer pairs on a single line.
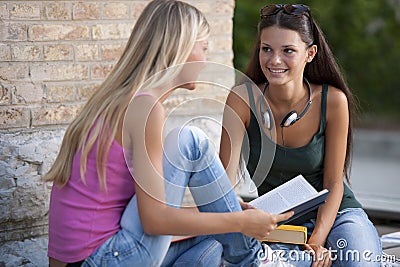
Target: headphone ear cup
[[266, 119], [289, 119]]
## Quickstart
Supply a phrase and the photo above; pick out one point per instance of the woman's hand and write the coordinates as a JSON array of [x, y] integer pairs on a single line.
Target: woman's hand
[[321, 255], [259, 224], [244, 205]]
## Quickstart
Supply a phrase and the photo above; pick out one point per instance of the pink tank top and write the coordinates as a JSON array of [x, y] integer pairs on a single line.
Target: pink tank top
[[82, 217]]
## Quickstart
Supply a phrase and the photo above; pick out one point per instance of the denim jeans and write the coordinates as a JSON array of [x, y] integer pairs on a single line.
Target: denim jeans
[[353, 241], [196, 251], [189, 160]]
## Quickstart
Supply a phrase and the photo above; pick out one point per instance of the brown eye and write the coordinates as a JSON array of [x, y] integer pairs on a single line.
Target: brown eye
[[266, 49]]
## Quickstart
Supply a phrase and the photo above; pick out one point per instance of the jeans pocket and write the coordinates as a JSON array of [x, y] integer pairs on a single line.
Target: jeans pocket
[[120, 250]]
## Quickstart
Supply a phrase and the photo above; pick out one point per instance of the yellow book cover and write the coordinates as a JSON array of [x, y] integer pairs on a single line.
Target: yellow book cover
[[292, 234]]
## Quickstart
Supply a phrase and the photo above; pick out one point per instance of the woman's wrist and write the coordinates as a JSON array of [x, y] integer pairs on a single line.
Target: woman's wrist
[[239, 221], [316, 239]]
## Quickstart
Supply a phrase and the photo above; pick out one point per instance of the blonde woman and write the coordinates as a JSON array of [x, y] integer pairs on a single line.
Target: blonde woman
[[108, 208]]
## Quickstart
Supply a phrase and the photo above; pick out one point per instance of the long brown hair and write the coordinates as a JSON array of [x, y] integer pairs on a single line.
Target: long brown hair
[[163, 36], [322, 69]]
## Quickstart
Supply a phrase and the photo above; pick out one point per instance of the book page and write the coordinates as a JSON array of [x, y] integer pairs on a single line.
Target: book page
[[285, 196], [391, 238]]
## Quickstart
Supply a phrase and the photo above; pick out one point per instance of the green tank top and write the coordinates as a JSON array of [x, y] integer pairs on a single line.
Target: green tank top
[[287, 163]]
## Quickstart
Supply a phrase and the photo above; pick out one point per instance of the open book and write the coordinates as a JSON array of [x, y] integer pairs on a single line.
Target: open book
[[296, 195]]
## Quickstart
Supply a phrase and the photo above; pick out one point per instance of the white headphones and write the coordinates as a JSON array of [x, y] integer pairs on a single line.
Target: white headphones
[[291, 117]]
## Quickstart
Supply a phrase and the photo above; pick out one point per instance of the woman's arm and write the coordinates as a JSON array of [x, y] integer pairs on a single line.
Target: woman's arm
[[335, 152], [156, 217], [235, 119]]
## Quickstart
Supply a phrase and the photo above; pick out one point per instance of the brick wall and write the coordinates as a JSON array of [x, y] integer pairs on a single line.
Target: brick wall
[[53, 54]]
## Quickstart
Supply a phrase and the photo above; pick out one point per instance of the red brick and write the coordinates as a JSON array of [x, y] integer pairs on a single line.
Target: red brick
[[85, 91], [57, 11], [13, 32], [4, 12], [58, 52], [224, 7], [83, 10], [220, 26], [14, 71], [5, 52], [204, 7], [112, 52], [101, 71], [112, 31], [59, 72], [11, 117], [58, 32], [26, 93], [218, 44], [116, 11], [137, 8], [5, 89], [60, 93], [87, 52], [25, 11], [26, 52], [61, 114]]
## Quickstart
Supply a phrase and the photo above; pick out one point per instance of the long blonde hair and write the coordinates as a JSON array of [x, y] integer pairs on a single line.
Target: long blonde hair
[[162, 37]]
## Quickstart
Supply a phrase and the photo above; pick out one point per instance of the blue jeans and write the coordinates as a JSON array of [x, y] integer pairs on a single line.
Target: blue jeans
[[353, 241], [189, 160], [197, 251]]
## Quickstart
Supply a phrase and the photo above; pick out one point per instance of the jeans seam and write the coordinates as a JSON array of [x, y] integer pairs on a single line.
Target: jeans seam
[[228, 201], [214, 245], [173, 185]]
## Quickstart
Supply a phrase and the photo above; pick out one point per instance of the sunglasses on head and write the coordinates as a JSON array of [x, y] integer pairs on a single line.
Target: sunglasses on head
[[290, 9], [295, 10]]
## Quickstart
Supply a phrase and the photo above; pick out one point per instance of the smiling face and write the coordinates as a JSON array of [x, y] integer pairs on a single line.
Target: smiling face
[[283, 55]]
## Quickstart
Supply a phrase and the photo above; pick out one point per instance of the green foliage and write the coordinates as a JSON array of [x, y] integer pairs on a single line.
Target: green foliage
[[364, 37], [244, 30]]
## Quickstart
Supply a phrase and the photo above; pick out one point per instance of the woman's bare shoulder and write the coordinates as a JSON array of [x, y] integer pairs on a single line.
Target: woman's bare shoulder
[[336, 98]]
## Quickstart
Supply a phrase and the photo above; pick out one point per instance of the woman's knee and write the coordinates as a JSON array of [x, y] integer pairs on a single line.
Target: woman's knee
[[354, 220], [353, 230], [206, 253], [212, 255], [190, 141]]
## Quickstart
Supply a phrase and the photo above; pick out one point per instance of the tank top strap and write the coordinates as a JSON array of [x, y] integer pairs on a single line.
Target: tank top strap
[[251, 96], [143, 94], [323, 107]]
